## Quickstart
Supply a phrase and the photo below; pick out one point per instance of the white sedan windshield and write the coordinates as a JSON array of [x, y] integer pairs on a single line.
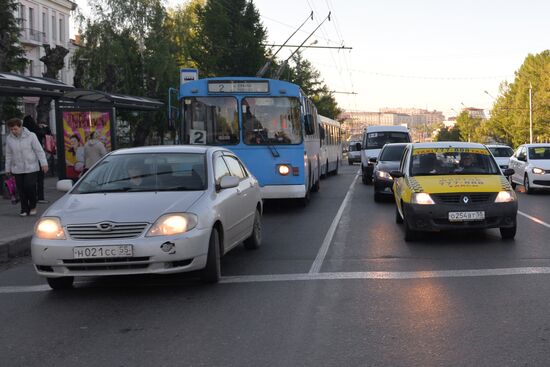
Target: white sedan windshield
[[146, 172]]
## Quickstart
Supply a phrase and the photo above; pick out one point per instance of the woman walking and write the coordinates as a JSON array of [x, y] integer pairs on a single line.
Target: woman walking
[[93, 151], [24, 158]]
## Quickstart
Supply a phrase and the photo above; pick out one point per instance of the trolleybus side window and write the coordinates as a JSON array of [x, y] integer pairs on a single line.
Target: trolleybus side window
[[211, 120]]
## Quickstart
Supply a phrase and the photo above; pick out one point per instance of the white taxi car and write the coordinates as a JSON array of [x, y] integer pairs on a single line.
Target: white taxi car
[[162, 209], [531, 164]]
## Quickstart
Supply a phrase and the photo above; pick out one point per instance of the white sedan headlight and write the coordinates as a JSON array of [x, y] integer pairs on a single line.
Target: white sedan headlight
[[538, 171], [383, 174], [49, 228], [505, 197], [421, 198], [174, 223]]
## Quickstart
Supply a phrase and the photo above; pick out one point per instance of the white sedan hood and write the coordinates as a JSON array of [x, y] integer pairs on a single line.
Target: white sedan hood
[[121, 207], [540, 163]]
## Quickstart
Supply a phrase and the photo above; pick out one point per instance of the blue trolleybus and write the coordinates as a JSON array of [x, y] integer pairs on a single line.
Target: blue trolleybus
[[270, 124]]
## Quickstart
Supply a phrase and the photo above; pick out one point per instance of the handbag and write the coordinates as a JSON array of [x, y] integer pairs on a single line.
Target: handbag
[[49, 144], [12, 189]]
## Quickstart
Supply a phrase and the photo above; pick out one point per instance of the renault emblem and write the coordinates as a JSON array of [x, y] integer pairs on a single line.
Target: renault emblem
[[465, 199], [105, 226]]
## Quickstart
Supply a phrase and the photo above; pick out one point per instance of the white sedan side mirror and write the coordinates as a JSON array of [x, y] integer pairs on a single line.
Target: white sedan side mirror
[[228, 182], [64, 185]]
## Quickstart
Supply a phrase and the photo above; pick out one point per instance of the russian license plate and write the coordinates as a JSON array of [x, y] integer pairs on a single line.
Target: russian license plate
[[466, 216], [91, 252]]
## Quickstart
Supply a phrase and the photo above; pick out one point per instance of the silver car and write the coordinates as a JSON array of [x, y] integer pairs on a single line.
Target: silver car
[[147, 210]]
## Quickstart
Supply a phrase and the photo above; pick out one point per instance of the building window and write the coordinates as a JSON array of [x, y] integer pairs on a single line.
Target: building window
[[22, 15], [61, 31], [31, 67], [53, 28], [31, 20], [44, 24]]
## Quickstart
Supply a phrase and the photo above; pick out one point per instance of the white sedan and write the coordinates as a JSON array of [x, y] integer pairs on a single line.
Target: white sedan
[[162, 209], [531, 164]]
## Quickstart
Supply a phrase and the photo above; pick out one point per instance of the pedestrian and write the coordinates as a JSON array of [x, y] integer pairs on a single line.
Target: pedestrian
[[94, 149], [24, 158], [41, 130]]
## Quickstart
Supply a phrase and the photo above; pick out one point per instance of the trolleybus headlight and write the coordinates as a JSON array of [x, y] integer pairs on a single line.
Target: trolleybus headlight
[[505, 197], [538, 171], [421, 198], [283, 169]]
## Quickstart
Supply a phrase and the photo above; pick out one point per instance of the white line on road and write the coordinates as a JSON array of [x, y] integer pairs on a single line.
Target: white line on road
[[360, 275], [316, 266], [536, 220]]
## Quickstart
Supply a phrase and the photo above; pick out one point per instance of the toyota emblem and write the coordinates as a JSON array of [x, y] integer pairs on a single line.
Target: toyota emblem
[[105, 227]]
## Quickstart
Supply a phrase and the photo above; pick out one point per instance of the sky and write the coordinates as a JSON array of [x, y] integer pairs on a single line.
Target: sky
[[433, 54]]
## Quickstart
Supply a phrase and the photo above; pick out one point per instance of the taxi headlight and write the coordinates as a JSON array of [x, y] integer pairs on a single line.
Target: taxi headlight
[[49, 228], [421, 198], [171, 224], [505, 197], [538, 171], [383, 174]]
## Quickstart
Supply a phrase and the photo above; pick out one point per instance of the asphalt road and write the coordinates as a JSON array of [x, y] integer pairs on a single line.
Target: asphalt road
[[362, 297]]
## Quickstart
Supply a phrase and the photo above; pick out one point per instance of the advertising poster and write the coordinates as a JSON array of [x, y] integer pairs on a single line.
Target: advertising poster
[[77, 126]]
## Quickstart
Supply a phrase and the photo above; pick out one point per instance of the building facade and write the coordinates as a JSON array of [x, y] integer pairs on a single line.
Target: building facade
[[44, 22]]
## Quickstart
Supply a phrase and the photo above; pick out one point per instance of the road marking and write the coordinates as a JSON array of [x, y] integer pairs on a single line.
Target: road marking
[[316, 266], [360, 275], [386, 275], [24, 289], [536, 220]]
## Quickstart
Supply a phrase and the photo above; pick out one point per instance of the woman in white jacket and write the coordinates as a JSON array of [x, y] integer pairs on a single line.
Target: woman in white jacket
[[23, 153], [93, 151]]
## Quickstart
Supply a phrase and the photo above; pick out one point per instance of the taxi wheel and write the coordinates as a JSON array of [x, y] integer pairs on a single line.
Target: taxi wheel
[[508, 233], [398, 218], [527, 185], [410, 234], [255, 240], [212, 271], [61, 283]]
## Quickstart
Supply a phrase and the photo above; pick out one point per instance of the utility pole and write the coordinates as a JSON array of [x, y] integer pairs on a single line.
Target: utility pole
[[530, 113]]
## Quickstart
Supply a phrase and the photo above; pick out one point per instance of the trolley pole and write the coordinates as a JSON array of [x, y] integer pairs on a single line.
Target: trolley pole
[[530, 113]]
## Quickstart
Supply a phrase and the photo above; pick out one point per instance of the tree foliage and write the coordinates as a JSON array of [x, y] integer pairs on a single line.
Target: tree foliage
[[229, 38], [448, 134], [509, 121], [12, 55]]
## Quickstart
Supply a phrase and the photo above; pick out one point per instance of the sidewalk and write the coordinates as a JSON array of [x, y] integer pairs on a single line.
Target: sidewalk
[[16, 231]]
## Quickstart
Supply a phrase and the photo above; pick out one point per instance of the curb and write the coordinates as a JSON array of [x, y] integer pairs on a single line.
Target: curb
[[15, 247]]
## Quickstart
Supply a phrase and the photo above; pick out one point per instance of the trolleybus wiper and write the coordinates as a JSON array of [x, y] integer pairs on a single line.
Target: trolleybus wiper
[[270, 146]]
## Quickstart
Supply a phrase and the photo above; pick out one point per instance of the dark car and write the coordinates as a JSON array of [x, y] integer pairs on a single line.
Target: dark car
[[388, 160]]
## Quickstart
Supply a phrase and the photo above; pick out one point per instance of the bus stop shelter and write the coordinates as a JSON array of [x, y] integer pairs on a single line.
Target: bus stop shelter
[[77, 113]]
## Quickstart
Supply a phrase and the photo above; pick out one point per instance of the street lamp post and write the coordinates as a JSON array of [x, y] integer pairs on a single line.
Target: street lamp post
[[530, 113]]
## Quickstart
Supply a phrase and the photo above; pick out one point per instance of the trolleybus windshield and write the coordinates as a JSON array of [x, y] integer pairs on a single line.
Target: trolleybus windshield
[[211, 120], [271, 121]]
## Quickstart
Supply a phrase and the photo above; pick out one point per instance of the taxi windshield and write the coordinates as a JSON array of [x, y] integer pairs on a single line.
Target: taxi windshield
[[456, 161]]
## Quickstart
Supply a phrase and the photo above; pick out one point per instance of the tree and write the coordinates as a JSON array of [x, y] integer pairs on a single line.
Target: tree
[[127, 48], [467, 126], [182, 26], [229, 39], [448, 134], [510, 114], [12, 55]]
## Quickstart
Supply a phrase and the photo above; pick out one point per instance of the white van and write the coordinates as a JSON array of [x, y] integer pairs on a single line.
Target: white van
[[374, 138], [354, 152]]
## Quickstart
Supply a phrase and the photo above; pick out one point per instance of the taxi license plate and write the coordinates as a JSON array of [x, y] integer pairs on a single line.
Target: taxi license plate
[[91, 252], [466, 216]]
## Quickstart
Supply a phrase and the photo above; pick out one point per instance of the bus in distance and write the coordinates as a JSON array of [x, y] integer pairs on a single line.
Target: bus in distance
[[331, 146]]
